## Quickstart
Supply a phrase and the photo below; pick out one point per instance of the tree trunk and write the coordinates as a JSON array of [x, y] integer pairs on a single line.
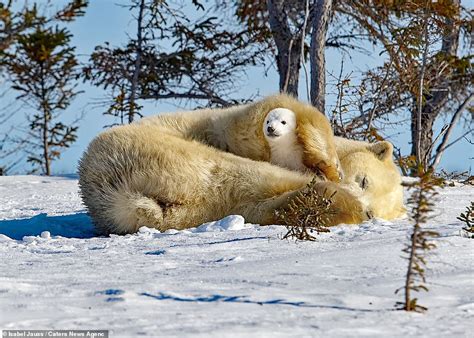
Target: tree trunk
[[321, 16], [422, 120], [47, 164], [44, 108], [424, 135], [137, 66], [290, 66], [288, 47]]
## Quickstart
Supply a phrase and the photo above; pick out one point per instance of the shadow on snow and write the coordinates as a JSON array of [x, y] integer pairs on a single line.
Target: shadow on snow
[[245, 300], [71, 226]]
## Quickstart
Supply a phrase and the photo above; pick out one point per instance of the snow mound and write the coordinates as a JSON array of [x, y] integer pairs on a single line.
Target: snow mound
[[229, 223]]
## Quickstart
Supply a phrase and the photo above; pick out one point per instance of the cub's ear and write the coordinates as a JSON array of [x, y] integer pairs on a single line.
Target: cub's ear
[[383, 150]]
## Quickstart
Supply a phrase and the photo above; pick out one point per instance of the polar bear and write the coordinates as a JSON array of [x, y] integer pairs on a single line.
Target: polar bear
[[178, 171], [238, 130], [369, 170]]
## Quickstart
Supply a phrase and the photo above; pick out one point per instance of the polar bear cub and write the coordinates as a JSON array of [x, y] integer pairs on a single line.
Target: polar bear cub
[[279, 129], [281, 132]]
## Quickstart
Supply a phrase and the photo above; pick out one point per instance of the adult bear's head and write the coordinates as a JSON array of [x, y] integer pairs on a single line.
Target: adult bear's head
[[370, 171]]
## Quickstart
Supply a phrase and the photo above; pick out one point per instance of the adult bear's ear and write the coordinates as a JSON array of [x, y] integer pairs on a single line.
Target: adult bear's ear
[[383, 149]]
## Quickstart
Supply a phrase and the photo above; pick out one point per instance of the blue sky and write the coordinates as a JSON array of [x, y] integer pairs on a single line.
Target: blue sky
[[106, 21]]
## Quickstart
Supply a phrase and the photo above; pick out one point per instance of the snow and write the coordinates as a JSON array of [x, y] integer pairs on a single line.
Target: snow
[[223, 278]]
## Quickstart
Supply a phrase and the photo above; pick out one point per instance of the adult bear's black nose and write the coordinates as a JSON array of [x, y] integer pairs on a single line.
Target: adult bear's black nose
[[270, 130]]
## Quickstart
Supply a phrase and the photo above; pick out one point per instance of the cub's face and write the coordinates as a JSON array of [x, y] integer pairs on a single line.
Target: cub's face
[[279, 122]]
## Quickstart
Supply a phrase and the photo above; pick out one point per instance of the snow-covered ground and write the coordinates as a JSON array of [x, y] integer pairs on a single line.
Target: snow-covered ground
[[226, 278]]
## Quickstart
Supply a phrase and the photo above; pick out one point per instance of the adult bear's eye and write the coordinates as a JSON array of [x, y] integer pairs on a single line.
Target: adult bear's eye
[[283, 122], [363, 182], [268, 122]]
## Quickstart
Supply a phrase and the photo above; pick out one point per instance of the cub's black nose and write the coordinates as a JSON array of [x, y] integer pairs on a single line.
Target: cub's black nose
[[270, 130]]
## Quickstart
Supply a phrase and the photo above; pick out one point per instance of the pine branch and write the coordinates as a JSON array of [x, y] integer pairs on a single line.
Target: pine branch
[[307, 215]]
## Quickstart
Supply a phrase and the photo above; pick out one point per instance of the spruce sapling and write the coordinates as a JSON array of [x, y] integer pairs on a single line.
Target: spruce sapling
[[468, 218], [421, 202], [307, 214]]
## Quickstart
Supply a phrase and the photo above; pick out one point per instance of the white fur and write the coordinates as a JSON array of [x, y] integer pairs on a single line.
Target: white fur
[[285, 150]]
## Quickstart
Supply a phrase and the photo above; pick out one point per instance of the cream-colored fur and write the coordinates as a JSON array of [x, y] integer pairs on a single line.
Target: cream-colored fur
[[178, 171], [238, 130], [369, 169]]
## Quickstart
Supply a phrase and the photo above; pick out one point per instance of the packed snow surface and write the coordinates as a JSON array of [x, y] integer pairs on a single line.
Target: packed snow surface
[[223, 278]]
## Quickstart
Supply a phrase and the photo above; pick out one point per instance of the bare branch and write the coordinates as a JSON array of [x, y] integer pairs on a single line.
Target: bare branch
[[454, 120]]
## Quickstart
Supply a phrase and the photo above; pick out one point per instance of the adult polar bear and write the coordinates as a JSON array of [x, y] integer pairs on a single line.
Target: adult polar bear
[[178, 171]]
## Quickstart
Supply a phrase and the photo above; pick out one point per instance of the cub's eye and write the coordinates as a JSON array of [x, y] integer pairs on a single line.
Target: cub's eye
[[268, 122], [283, 122]]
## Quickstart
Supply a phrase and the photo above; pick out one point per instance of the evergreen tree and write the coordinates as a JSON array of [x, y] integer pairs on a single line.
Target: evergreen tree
[[421, 203], [43, 69], [39, 64]]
